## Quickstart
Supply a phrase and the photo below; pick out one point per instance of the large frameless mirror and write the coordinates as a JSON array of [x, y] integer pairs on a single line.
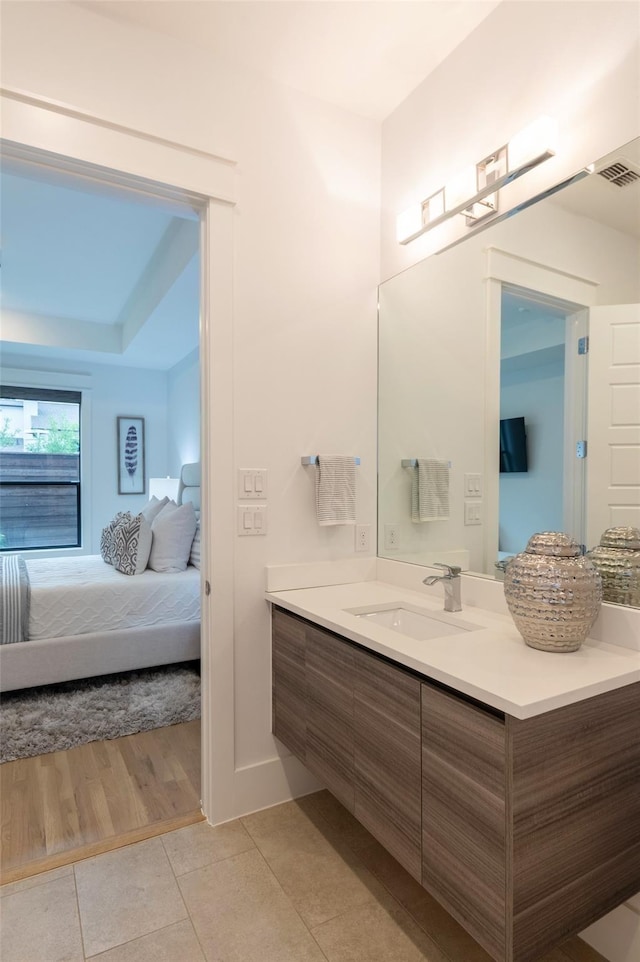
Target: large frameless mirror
[[509, 380]]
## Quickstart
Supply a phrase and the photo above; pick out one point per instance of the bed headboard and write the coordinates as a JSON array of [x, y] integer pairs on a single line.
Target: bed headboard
[[189, 487]]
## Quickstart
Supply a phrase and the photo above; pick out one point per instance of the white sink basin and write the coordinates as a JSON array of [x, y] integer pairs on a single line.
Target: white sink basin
[[412, 621]]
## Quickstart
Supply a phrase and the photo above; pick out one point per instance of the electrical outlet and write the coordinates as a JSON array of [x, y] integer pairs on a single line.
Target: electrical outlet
[[391, 537], [362, 537]]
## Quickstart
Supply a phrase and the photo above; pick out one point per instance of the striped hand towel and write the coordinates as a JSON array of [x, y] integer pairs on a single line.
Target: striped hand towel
[[335, 490], [430, 491]]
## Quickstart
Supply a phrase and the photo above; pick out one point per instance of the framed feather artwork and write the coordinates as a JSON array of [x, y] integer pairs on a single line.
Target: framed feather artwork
[[131, 476]]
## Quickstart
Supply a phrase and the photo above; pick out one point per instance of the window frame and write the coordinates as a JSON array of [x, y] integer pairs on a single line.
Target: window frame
[[79, 384]]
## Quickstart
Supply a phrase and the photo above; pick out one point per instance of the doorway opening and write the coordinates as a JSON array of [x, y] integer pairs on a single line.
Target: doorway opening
[[135, 360], [543, 401]]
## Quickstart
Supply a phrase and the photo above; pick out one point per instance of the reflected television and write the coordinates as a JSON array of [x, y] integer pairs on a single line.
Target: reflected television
[[513, 445]]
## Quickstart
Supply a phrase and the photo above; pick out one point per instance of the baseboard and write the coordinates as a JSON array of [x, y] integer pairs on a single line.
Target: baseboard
[[262, 785]]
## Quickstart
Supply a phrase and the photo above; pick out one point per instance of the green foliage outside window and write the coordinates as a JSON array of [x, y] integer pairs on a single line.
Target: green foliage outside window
[[62, 437], [7, 436]]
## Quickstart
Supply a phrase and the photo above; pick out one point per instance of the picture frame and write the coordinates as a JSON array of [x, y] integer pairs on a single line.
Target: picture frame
[[131, 469]]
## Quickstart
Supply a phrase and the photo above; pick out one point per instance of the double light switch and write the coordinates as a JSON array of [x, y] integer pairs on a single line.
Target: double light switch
[[252, 483], [252, 486]]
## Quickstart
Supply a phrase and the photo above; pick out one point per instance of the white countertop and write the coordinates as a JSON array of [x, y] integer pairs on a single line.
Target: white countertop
[[492, 664]]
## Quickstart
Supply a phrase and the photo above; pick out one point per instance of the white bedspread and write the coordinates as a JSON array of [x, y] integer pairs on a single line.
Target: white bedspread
[[72, 596]]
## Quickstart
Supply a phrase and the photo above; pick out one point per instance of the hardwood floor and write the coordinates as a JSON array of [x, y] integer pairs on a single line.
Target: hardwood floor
[[60, 807]]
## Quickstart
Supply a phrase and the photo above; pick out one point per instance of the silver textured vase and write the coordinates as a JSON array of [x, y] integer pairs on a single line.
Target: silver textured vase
[[617, 558], [553, 592]]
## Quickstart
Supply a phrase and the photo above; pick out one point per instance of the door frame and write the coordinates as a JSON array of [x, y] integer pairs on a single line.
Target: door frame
[[54, 135], [505, 268]]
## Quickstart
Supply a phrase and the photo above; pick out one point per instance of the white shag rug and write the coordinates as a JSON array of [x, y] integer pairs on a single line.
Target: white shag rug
[[52, 718]]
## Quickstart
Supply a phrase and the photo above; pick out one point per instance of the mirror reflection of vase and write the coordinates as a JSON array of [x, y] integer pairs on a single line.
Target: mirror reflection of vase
[[553, 592], [617, 558]]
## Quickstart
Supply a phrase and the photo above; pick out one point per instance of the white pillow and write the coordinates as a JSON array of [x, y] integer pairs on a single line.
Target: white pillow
[[131, 545], [153, 508], [173, 530]]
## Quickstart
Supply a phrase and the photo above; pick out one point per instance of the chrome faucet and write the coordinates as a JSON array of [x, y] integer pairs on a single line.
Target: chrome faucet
[[451, 584]]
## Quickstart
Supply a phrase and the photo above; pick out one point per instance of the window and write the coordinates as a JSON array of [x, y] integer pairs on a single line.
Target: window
[[39, 468]]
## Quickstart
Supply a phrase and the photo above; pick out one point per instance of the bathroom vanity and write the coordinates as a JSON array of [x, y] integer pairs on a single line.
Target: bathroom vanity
[[505, 780]]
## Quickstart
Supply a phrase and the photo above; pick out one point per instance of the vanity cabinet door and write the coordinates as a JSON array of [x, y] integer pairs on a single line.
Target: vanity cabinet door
[[289, 687], [329, 753], [387, 757], [463, 814]]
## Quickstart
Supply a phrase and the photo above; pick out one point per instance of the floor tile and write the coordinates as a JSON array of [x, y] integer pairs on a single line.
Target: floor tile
[[578, 951], [376, 933], [317, 870], [175, 943], [126, 894], [28, 883], [423, 908], [41, 924], [337, 816], [241, 914], [278, 830], [197, 845]]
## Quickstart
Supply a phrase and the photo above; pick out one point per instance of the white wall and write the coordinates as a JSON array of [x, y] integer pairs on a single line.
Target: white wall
[[537, 394], [183, 414], [306, 256], [114, 391], [576, 61]]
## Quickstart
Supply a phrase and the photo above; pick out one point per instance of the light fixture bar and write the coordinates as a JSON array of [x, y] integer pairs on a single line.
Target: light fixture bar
[[533, 145]]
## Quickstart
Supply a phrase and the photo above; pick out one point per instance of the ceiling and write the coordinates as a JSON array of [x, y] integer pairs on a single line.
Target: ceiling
[[361, 55], [93, 274], [118, 278], [118, 275]]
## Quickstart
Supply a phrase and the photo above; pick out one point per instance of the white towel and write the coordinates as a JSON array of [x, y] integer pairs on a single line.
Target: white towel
[[430, 491], [335, 490]]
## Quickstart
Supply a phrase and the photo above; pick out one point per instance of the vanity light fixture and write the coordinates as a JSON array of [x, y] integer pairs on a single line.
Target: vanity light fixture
[[473, 192]]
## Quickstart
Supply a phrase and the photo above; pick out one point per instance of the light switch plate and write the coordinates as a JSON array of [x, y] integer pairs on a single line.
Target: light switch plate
[[251, 520], [473, 485], [252, 484], [473, 512]]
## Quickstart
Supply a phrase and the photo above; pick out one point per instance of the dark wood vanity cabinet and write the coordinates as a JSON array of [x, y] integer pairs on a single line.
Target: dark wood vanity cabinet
[[330, 735], [526, 831], [361, 722], [386, 724], [464, 813], [288, 682]]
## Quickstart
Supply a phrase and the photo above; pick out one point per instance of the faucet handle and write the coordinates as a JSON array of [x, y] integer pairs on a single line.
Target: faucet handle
[[452, 570]]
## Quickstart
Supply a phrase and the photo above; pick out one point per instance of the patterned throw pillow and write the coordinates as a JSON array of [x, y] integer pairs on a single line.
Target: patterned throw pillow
[[194, 557], [106, 538], [131, 545]]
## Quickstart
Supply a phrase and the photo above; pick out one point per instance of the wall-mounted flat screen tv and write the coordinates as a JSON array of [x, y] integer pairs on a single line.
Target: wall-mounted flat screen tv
[[513, 445]]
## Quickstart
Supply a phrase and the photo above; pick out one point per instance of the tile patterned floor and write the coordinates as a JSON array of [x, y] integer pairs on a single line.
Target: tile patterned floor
[[302, 882]]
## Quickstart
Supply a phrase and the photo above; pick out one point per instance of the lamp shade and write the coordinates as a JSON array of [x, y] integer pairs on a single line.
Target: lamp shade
[[163, 488]]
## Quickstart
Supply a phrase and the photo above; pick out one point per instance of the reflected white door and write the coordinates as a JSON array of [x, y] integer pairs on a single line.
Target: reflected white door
[[613, 462]]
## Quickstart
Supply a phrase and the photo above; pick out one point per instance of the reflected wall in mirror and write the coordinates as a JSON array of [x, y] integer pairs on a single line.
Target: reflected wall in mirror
[[495, 329]]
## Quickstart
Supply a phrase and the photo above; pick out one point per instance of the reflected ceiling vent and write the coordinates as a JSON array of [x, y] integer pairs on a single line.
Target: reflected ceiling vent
[[620, 174]]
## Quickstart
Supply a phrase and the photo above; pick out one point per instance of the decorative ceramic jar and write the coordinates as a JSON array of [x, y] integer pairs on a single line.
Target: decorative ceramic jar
[[617, 558], [553, 592]]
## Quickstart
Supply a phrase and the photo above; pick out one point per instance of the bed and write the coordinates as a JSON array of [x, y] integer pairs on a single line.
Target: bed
[[85, 618]]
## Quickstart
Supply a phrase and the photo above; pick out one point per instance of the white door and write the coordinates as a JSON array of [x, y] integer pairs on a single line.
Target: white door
[[576, 365], [613, 460]]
